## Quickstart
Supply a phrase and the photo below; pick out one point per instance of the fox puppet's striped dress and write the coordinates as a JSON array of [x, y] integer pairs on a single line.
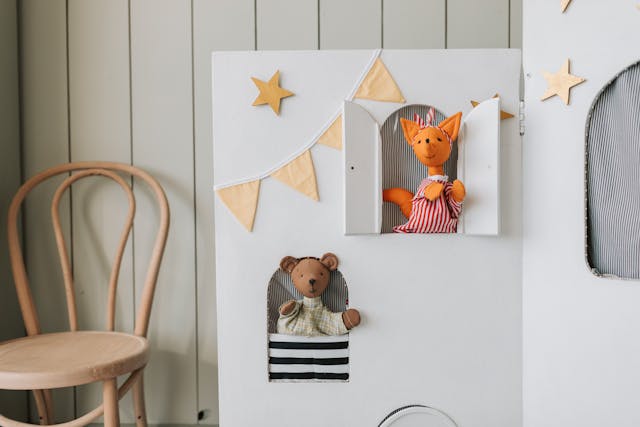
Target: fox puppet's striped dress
[[438, 216]]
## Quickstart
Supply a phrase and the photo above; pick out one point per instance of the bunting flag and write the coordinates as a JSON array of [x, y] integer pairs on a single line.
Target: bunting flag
[[332, 137], [300, 175], [503, 114], [242, 201], [378, 85]]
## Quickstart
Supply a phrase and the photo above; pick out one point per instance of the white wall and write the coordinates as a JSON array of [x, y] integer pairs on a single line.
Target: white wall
[[581, 347], [129, 80]]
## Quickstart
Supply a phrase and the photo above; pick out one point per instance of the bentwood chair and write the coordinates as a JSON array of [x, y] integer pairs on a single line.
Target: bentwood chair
[[40, 362]]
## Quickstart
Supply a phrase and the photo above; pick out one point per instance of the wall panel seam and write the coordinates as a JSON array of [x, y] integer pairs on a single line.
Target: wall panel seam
[[509, 23], [70, 189], [195, 216], [132, 236], [446, 24]]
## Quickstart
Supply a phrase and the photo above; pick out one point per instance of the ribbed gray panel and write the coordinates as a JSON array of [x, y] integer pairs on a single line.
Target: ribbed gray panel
[[400, 168], [281, 289], [613, 177]]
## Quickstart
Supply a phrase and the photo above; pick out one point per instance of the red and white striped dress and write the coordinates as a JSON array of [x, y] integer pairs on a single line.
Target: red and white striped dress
[[438, 216]]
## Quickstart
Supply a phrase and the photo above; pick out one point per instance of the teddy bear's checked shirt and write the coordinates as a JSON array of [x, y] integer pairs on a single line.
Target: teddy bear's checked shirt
[[311, 318]]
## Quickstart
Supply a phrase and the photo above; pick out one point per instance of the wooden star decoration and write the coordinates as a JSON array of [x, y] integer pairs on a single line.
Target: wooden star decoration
[[561, 83], [270, 92], [503, 114], [564, 4]]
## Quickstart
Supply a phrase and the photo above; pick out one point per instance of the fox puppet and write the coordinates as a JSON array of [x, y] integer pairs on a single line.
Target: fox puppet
[[437, 203]]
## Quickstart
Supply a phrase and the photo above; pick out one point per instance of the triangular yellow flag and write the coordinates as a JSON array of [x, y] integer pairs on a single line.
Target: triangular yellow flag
[[332, 137], [379, 85], [242, 201], [300, 175]]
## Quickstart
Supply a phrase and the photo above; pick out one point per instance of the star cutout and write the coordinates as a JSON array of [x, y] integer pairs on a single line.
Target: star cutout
[[564, 4], [270, 92], [503, 114], [561, 83]]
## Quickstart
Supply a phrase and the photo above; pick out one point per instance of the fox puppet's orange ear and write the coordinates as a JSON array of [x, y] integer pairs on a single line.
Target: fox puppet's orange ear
[[410, 129], [451, 125]]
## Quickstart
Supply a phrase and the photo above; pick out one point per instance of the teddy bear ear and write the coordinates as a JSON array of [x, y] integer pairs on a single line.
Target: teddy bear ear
[[330, 261], [288, 263]]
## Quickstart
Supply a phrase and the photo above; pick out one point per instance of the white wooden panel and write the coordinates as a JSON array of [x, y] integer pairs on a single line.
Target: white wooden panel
[[479, 169], [582, 359], [469, 360], [476, 24], [414, 24], [13, 404], [99, 99], [217, 25], [354, 24], [287, 24], [45, 141], [163, 146], [362, 182]]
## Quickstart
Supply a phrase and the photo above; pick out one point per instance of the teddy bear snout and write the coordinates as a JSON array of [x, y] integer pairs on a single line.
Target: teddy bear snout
[[312, 282]]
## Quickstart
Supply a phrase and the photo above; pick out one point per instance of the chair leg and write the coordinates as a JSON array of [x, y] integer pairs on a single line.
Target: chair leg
[[110, 400], [138, 403], [48, 400], [41, 405]]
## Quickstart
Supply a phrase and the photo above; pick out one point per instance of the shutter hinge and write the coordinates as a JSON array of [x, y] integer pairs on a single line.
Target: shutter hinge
[[521, 117]]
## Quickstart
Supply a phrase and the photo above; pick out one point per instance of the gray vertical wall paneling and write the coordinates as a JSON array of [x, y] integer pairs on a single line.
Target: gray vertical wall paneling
[[45, 143], [414, 24], [99, 97], [162, 104], [477, 24], [12, 403], [515, 24], [354, 24], [217, 25], [287, 24]]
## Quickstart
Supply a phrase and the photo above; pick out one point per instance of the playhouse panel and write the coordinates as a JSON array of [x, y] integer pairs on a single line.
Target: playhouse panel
[[439, 326]]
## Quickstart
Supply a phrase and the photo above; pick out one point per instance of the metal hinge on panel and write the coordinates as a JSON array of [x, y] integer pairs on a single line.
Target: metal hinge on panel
[[521, 117]]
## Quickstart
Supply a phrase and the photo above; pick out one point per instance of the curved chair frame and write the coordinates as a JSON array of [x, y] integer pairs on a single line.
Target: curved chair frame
[[135, 380]]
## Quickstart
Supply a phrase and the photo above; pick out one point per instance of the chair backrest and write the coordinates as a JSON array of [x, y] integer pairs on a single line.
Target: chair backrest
[[75, 172]]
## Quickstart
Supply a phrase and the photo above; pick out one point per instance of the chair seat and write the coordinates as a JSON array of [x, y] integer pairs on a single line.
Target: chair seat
[[69, 358]]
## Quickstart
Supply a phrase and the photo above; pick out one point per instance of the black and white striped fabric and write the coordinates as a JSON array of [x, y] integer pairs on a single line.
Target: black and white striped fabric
[[318, 359], [613, 178], [281, 290], [400, 168]]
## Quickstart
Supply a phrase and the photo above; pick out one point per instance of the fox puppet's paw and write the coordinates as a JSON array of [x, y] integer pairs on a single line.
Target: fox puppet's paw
[[458, 191], [433, 191]]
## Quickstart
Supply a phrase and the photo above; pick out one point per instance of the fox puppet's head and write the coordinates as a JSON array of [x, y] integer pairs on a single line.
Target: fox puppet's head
[[431, 144]]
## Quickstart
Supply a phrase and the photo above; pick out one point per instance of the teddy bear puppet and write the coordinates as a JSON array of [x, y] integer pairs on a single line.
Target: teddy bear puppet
[[310, 317]]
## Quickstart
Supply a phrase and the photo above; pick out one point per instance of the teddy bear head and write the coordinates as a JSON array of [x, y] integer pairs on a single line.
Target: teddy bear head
[[310, 275]]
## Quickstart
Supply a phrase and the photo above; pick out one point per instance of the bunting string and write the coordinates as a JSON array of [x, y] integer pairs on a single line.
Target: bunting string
[[297, 171]]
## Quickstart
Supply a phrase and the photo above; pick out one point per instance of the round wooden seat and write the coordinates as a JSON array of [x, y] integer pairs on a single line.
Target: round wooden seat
[[69, 358]]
